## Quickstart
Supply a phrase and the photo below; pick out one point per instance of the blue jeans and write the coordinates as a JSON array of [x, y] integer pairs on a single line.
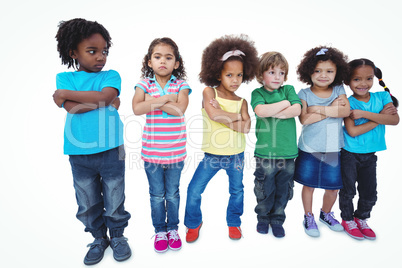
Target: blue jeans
[[208, 167], [164, 181], [360, 169], [273, 188], [99, 189]]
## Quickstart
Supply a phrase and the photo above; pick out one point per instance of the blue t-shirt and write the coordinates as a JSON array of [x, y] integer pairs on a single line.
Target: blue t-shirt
[[324, 136], [373, 140], [95, 131]]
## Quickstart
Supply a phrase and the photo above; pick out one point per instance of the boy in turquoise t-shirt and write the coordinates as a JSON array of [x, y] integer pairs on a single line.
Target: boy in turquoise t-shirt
[[275, 107]]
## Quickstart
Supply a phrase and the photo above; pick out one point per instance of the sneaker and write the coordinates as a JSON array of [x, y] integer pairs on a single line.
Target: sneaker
[[235, 233], [96, 251], [277, 230], [365, 229], [310, 227], [262, 227], [174, 240], [329, 220], [351, 229], [193, 234], [120, 247], [161, 242]]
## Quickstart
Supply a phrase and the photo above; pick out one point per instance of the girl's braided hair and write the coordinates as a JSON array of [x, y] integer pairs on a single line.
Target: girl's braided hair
[[354, 64]]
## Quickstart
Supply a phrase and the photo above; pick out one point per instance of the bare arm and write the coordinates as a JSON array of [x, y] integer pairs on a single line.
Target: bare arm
[[76, 102], [339, 108], [244, 124], [177, 108], [289, 112], [270, 110], [99, 98], [307, 118], [388, 116], [217, 115], [142, 106]]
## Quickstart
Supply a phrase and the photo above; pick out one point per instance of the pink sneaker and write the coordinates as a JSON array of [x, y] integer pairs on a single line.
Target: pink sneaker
[[365, 229], [174, 240], [351, 229], [161, 242]]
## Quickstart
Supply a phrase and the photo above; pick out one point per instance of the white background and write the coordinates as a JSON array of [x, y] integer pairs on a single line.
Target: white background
[[37, 201]]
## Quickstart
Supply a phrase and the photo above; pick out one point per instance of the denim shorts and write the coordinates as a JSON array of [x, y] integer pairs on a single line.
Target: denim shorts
[[319, 170]]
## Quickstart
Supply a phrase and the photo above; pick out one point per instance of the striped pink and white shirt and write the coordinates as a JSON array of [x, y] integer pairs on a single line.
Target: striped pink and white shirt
[[164, 137]]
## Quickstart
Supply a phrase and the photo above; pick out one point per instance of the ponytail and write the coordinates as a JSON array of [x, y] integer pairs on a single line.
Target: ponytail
[[378, 74]]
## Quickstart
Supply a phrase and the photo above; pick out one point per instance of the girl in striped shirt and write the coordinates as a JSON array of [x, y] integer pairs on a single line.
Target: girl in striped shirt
[[163, 96]]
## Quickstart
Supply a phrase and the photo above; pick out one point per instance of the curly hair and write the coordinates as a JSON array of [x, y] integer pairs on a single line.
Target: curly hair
[[212, 65], [271, 59], [354, 64], [310, 60], [146, 71], [72, 32]]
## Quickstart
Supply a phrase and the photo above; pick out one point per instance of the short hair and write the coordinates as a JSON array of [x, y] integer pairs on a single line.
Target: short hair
[[271, 59], [313, 56], [212, 64], [72, 32], [146, 71], [354, 64]]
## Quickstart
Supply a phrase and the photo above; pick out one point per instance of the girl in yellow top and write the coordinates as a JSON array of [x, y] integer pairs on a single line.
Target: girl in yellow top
[[226, 63]]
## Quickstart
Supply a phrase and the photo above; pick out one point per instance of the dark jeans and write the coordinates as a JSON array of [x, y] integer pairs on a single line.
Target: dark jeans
[[273, 188], [360, 168], [99, 189]]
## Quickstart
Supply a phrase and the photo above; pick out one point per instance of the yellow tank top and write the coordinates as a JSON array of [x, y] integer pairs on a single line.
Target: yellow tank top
[[218, 138]]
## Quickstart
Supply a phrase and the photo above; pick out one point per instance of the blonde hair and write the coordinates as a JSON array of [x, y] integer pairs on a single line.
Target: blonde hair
[[271, 59]]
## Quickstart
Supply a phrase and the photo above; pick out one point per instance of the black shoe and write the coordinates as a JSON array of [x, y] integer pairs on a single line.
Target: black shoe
[[120, 247], [96, 251], [278, 230]]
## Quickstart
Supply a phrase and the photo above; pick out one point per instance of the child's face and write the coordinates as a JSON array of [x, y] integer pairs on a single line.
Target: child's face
[[91, 53], [324, 74], [163, 61], [362, 80], [273, 78], [231, 75]]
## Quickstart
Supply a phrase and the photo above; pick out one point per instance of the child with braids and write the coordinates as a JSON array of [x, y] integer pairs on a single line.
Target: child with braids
[[163, 96], [93, 135], [364, 133], [324, 105], [226, 63]]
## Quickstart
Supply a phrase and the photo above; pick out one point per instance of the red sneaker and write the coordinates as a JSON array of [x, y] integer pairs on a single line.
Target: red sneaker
[[351, 229], [365, 229], [235, 233], [192, 234]]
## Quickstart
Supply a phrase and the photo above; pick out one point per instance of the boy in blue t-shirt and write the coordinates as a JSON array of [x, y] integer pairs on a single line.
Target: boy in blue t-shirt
[[93, 135], [276, 106]]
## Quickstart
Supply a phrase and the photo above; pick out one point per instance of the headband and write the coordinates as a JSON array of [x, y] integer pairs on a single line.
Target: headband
[[322, 51], [231, 53]]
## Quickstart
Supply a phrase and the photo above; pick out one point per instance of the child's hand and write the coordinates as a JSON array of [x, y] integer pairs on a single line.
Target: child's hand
[[215, 103], [58, 97], [356, 114], [338, 102], [390, 109], [116, 103]]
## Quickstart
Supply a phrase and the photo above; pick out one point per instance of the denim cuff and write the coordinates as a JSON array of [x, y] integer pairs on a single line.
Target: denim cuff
[[116, 232]]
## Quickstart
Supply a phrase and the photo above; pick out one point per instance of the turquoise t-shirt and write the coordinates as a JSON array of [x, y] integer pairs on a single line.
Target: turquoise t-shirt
[[276, 138], [373, 140], [97, 130]]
